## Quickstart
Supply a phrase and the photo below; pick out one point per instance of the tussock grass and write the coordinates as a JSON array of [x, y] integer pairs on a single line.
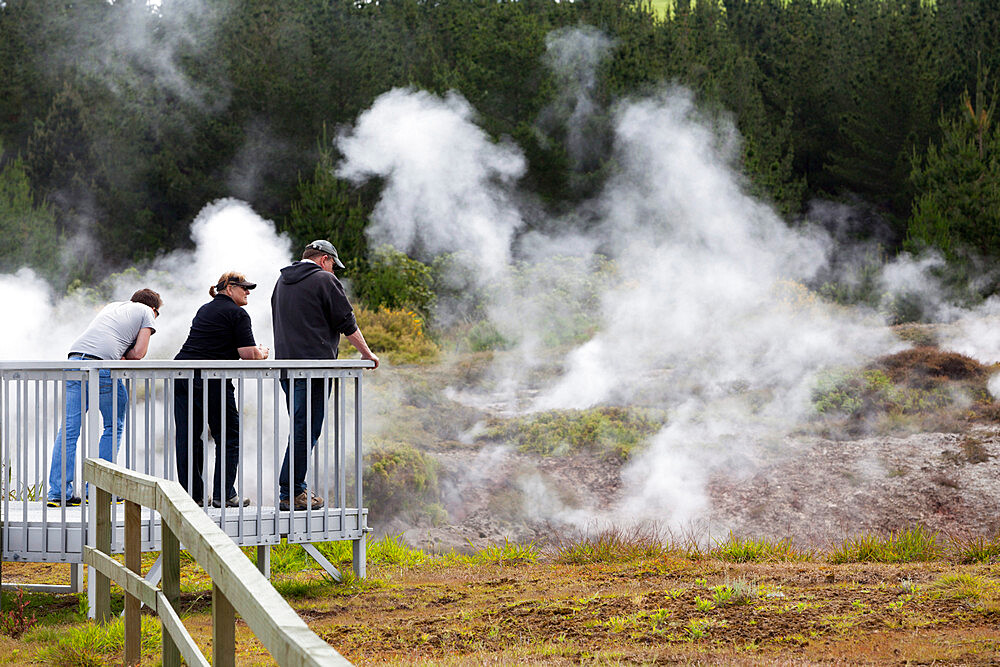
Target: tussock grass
[[508, 553], [979, 549], [92, 643], [912, 545], [737, 549], [614, 545]]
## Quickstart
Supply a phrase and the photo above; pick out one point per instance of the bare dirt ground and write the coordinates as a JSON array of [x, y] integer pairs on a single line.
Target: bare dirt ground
[[813, 490], [817, 492]]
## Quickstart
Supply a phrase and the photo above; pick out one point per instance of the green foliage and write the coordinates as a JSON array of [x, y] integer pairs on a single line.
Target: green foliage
[[612, 431], [736, 591], [978, 549], [28, 230], [392, 280], [14, 620], [957, 210], [756, 550], [400, 333], [330, 208], [508, 553], [911, 545], [126, 148], [859, 393], [399, 477], [614, 545], [92, 643]]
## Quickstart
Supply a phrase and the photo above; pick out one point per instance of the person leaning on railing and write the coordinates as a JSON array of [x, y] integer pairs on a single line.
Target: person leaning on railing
[[310, 311], [120, 331], [221, 329]]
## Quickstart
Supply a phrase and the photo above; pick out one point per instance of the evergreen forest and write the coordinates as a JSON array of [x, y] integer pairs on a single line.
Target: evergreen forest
[[120, 120]]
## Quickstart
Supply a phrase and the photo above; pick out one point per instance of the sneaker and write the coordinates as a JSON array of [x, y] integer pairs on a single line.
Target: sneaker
[[233, 501], [304, 500], [72, 501]]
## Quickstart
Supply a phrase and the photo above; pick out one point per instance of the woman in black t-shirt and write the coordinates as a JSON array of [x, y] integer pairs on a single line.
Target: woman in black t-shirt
[[220, 330]]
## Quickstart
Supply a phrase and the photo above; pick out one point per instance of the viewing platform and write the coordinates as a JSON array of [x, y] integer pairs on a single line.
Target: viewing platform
[[32, 408]]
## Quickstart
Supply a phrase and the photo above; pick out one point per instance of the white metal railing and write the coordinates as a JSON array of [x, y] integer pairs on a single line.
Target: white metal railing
[[32, 408]]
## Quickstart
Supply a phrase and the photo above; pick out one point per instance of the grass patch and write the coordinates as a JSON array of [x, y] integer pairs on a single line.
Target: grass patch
[[613, 431], [912, 545], [737, 549], [976, 549], [508, 553], [611, 546], [92, 643]]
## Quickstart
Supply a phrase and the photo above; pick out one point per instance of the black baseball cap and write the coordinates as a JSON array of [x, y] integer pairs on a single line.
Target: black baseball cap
[[326, 248]]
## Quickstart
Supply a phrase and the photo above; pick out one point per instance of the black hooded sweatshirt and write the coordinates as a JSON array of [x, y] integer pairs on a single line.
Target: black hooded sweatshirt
[[310, 311]]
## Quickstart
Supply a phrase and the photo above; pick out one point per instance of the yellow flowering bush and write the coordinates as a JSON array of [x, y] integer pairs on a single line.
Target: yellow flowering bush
[[397, 333]]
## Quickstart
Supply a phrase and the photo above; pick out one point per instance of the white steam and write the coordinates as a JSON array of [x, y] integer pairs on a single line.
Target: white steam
[[446, 183], [573, 55], [705, 313], [228, 235]]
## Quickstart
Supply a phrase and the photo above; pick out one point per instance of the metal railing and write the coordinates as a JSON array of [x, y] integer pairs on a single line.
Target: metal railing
[[33, 408], [237, 586]]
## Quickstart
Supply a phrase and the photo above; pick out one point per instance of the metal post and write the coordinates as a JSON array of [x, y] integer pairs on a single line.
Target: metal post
[[264, 559]]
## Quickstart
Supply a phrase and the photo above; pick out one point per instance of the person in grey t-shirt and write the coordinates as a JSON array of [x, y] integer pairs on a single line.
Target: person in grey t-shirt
[[120, 331]]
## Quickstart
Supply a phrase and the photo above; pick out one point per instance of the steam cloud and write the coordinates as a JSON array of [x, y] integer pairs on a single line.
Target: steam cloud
[[445, 180], [707, 314]]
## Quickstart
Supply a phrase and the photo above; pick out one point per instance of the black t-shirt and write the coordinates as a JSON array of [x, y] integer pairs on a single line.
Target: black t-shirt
[[218, 330]]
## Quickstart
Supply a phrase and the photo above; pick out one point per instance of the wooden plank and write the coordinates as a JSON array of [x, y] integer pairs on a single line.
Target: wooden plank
[[131, 583], [133, 561], [102, 526], [138, 488], [182, 638], [223, 629], [171, 590], [269, 616]]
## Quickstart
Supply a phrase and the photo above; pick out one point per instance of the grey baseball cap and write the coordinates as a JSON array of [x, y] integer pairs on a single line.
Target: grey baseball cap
[[327, 248]]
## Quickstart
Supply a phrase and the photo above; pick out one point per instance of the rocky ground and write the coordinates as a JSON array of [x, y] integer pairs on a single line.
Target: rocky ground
[[814, 490]]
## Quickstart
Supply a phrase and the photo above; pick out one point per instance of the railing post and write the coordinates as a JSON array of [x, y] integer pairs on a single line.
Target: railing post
[[171, 588], [264, 559], [102, 542], [223, 629], [133, 561]]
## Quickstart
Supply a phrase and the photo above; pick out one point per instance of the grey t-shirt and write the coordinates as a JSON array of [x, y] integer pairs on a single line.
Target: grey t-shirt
[[114, 330]]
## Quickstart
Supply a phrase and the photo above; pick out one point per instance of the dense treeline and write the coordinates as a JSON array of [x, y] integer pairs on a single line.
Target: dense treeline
[[118, 121]]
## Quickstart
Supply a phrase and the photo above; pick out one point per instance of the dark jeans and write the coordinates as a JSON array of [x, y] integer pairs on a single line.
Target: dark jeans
[[306, 413], [230, 453]]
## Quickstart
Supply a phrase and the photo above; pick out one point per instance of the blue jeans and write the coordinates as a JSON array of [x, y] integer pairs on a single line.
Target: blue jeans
[[59, 485], [305, 429]]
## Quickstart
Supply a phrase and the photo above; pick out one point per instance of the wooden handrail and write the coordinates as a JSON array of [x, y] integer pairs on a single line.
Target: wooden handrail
[[237, 585]]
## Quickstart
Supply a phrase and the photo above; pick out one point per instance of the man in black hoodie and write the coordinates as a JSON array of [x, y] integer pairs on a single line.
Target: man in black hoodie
[[310, 312]]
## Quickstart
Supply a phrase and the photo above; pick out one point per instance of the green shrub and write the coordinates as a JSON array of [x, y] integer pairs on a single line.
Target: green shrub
[[613, 431], [399, 477], [393, 280], [397, 333], [859, 393]]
